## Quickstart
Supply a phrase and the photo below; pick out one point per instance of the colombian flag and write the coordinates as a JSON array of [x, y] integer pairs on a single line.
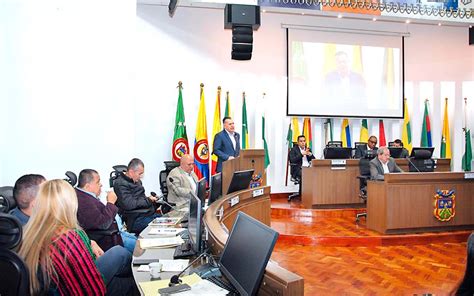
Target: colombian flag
[[346, 133], [201, 146], [216, 127]]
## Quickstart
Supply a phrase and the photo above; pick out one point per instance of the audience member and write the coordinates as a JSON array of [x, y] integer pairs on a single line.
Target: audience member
[[371, 145], [300, 156], [94, 216], [137, 209], [398, 143], [226, 143], [181, 181], [24, 192], [383, 164], [60, 257]]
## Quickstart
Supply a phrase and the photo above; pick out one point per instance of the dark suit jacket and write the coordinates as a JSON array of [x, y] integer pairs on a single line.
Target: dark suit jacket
[[296, 161], [223, 147], [360, 151], [94, 216], [333, 87], [376, 168]]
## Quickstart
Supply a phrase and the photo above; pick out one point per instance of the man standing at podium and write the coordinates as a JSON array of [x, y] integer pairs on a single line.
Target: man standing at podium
[[226, 143], [383, 164]]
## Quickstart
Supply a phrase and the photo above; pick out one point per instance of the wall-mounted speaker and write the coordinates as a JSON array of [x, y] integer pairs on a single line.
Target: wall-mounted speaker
[[242, 19]]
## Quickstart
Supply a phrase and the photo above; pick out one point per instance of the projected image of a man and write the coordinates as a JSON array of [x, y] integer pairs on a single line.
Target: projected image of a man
[[344, 83]]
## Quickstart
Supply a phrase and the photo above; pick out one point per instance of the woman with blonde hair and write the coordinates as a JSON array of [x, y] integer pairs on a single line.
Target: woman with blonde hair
[[59, 254]]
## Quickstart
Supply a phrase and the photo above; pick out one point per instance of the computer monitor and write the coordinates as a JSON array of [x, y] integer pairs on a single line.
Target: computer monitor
[[395, 152], [201, 190], [246, 253], [194, 222], [216, 188], [240, 181], [422, 152], [337, 153]]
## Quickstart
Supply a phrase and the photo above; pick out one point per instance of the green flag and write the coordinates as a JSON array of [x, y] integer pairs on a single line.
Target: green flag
[[289, 137], [180, 138], [227, 105], [245, 129], [265, 146], [467, 157]]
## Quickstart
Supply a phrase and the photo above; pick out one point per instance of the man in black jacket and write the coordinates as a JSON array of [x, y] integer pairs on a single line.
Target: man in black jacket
[[371, 145], [136, 208], [300, 155]]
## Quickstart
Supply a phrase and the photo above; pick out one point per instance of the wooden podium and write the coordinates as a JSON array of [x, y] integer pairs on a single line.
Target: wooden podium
[[248, 159]]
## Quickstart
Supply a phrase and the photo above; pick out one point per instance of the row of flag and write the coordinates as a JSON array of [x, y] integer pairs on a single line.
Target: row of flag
[[426, 140], [201, 151]]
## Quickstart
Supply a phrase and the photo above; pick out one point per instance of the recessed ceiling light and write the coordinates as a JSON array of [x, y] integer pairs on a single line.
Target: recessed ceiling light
[[302, 13], [407, 21], [439, 24], [264, 10], [339, 16], [374, 19]]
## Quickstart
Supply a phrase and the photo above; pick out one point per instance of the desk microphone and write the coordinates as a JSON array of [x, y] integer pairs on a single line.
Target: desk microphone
[[175, 279], [409, 160]]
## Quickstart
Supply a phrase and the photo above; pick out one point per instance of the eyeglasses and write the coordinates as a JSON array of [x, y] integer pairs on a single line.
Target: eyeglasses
[[373, 142]]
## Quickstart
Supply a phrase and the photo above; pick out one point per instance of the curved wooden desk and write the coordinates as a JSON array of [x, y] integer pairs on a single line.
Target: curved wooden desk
[[220, 216]]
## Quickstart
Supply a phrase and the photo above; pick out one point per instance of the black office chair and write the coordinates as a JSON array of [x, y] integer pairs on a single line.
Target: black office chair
[[356, 145], [392, 144], [334, 144], [364, 176], [71, 178], [7, 202], [169, 165], [15, 277], [115, 173]]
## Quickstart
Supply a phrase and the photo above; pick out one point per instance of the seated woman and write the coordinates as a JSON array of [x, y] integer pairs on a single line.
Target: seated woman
[[60, 256]]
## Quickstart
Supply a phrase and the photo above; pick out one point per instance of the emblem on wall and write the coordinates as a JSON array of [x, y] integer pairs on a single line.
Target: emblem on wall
[[444, 205]]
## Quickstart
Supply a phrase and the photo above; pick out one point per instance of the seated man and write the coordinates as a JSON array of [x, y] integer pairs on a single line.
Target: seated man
[[371, 145], [181, 181], [398, 143], [383, 164], [94, 216], [137, 209], [24, 192], [300, 156]]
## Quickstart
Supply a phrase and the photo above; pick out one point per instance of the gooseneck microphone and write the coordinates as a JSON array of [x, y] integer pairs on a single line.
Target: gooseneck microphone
[[175, 279], [411, 162]]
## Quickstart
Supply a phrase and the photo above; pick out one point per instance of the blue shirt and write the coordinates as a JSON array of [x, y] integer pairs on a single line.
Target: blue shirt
[[20, 215]]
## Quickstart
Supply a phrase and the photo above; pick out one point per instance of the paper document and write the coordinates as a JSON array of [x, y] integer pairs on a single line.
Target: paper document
[[204, 287], [174, 265], [165, 231], [161, 242], [165, 221], [150, 288]]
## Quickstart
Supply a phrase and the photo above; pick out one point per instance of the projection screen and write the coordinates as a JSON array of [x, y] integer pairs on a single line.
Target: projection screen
[[344, 74]]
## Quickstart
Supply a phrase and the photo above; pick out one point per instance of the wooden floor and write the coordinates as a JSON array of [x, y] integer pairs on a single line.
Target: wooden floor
[[336, 256]]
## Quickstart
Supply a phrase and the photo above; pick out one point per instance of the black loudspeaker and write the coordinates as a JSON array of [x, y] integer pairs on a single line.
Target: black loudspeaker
[[236, 14], [242, 39], [471, 36], [242, 19]]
